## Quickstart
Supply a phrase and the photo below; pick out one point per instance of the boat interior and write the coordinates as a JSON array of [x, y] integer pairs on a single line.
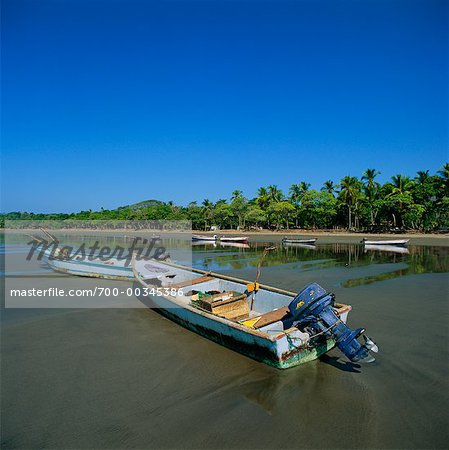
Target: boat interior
[[229, 299]]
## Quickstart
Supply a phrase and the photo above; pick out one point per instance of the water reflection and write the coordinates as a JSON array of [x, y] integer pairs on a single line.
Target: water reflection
[[351, 264], [208, 244], [397, 262], [386, 248]]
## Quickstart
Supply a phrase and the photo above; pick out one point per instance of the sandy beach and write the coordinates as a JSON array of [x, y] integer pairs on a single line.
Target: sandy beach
[[324, 236], [125, 377]]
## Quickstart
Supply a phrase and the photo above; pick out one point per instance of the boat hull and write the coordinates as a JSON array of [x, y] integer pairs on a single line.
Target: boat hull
[[299, 241], [92, 270], [234, 239], [204, 238], [399, 242], [278, 351]]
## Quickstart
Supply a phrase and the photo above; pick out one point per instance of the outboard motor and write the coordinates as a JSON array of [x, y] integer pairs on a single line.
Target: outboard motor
[[312, 310]]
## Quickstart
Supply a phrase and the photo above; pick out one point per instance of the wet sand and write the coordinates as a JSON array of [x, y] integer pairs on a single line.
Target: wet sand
[[129, 378]]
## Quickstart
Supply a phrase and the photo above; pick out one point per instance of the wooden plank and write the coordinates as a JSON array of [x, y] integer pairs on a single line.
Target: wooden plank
[[192, 282], [217, 299], [271, 317]]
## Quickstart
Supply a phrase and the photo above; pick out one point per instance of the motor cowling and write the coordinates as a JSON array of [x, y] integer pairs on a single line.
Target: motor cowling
[[312, 310]]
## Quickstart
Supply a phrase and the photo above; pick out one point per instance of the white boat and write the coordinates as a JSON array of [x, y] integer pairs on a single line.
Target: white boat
[[299, 241], [387, 248], [220, 308], [60, 259], [200, 237], [385, 242], [233, 239], [113, 269], [93, 267]]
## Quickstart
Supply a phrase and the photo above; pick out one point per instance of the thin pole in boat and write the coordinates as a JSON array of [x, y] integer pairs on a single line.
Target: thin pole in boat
[[255, 286], [52, 238]]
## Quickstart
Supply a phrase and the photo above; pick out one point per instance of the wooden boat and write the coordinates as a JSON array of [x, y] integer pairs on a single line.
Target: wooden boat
[[82, 265], [299, 241], [199, 237], [233, 239], [385, 242], [217, 307], [387, 248], [113, 269]]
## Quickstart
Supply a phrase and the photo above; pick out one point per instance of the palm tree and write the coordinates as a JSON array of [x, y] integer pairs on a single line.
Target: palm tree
[[295, 193], [444, 174], [207, 212], [304, 186], [422, 176], [274, 193], [424, 187], [368, 177], [262, 198], [401, 184], [371, 189], [328, 186], [349, 193], [399, 194], [236, 194]]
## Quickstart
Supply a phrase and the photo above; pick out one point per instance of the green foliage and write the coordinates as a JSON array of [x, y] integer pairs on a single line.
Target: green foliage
[[280, 212], [318, 209], [419, 203]]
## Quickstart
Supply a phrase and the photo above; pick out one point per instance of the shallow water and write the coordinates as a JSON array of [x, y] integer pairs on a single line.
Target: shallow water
[[128, 378]]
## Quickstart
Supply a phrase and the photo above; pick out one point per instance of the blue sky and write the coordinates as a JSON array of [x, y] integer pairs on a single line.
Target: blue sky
[[107, 103]]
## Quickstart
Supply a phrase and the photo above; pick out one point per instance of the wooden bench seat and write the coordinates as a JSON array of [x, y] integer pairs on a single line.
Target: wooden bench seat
[[271, 317]]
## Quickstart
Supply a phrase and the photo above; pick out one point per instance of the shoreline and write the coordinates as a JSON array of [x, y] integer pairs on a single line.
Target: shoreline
[[323, 233], [325, 236]]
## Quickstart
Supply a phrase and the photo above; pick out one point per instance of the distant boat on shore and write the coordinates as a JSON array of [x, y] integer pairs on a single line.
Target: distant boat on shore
[[299, 241], [202, 237], [233, 239], [399, 242]]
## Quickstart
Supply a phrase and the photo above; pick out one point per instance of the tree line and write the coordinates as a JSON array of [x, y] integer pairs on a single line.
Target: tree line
[[354, 203]]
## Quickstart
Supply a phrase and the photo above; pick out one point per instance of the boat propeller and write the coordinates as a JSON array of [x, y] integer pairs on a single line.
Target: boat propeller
[[312, 310], [370, 345]]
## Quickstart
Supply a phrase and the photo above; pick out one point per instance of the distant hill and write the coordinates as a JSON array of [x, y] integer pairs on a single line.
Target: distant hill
[[140, 205]]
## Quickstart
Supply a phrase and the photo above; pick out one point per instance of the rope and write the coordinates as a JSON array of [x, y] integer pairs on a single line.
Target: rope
[[327, 329], [292, 338]]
